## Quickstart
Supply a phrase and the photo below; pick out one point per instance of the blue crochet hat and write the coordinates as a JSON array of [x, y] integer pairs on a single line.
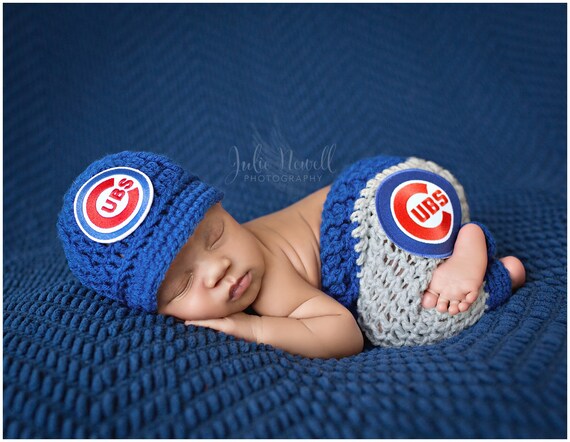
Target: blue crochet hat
[[125, 218]]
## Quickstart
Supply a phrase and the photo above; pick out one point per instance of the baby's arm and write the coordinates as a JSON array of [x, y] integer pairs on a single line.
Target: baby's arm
[[319, 328]]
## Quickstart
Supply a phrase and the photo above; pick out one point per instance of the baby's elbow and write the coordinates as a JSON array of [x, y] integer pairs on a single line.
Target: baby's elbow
[[358, 338], [353, 340]]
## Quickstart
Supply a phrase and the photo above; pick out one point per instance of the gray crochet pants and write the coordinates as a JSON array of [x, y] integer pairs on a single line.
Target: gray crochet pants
[[392, 280]]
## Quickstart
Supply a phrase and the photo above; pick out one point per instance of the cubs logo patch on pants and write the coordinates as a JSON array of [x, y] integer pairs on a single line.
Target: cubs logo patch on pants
[[420, 212]]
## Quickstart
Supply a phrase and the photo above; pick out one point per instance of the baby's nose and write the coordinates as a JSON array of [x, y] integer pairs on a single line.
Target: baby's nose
[[216, 272]]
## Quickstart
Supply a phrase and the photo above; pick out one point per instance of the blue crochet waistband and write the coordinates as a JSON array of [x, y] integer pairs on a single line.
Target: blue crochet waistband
[[338, 257]]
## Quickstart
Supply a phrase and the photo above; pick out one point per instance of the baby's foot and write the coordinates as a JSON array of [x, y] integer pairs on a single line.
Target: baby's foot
[[454, 286], [455, 304]]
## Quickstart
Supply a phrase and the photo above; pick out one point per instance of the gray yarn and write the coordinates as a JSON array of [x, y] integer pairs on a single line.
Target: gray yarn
[[392, 280]]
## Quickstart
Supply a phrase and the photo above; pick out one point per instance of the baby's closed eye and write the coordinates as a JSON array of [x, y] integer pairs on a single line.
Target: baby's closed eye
[[184, 291], [186, 288], [216, 235]]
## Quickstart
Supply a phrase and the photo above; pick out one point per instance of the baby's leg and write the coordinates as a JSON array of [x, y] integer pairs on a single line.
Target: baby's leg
[[516, 271], [502, 278]]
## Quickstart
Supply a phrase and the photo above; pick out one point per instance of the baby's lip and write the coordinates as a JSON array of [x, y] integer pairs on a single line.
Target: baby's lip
[[240, 286]]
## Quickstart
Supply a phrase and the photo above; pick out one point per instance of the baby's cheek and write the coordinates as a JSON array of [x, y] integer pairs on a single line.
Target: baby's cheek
[[182, 308], [173, 309], [204, 309]]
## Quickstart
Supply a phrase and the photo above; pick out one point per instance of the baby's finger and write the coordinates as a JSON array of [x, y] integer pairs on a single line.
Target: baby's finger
[[208, 323]]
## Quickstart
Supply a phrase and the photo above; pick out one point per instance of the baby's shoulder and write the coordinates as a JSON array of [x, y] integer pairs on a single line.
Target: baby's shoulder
[[289, 245], [283, 289], [293, 267], [294, 233]]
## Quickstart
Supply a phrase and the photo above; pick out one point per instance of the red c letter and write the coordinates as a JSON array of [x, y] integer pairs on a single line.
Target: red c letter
[[401, 211]]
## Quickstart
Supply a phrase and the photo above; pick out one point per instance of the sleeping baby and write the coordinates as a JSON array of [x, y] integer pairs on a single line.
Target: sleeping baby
[[386, 250]]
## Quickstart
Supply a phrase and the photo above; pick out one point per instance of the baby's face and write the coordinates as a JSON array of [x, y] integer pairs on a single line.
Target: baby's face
[[198, 283]]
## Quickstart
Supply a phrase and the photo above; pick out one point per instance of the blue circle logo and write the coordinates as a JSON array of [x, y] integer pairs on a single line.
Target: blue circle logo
[[420, 212], [112, 204]]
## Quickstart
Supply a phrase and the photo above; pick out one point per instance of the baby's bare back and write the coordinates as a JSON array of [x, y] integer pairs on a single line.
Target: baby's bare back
[[293, 266]]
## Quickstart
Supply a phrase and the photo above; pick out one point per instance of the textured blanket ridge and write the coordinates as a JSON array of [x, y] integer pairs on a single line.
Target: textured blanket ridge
[[479, 89], [382, 280]]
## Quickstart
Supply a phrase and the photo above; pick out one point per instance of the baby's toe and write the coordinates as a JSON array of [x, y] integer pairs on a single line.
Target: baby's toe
[[429, 300], [442, 305], [464, 306], [471, 297], [453, 307]]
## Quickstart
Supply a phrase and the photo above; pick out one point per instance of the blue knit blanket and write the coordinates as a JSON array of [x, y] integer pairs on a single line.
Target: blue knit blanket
[[269, 103]]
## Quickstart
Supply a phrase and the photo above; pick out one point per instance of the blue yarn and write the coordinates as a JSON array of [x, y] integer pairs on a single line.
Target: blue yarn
[[131, 269], [191, 80], [497, 277], [338, 257]]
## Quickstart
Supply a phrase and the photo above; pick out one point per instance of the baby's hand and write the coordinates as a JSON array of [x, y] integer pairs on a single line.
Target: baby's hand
[[454, 287], [240, 325]]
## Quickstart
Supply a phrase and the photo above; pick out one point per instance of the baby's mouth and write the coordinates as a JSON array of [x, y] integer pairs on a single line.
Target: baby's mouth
[[240, 286]]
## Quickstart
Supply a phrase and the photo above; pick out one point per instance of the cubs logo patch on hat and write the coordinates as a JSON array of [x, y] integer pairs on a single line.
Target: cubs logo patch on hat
[[420, 212], [113, 203], [144, 197]]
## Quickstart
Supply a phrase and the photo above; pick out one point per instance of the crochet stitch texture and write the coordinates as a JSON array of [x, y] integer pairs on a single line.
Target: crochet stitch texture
[[382, 280], [479, 89], [131, 270]]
